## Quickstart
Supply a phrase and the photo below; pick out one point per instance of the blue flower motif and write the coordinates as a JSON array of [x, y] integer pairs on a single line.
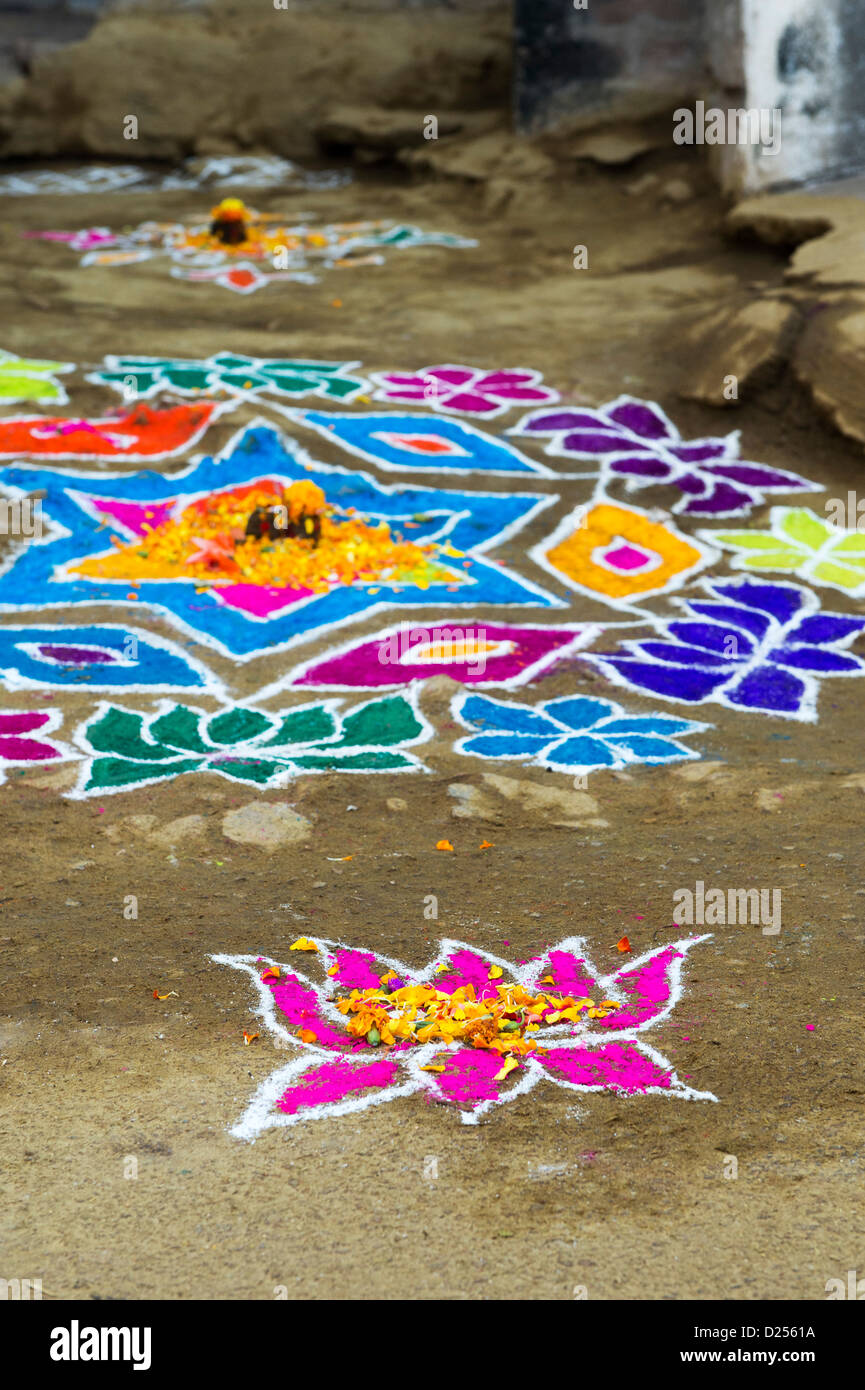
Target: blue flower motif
[[571, 734], [752, 646]]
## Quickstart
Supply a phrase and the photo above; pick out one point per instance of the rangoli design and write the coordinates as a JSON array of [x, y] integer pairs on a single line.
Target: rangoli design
[[800, 542], [237, 375], [218, 171], [465, 390], [636, 440], [759, 647], [618, 554], [471, 1030], [141, 433], [243, 250], [422, 443], [575, 734], [26, 379], [259, 547], [498, 654], [98, 658], [127, 749], [18, 747]]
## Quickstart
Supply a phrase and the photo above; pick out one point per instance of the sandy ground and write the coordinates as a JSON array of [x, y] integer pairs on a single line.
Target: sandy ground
[[626, 1198]]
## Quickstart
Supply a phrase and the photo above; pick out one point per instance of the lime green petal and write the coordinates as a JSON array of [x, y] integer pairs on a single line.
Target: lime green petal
[[778, 560], [805, 528], [851, 545], [827, 573], [749, 540], [29, 388]]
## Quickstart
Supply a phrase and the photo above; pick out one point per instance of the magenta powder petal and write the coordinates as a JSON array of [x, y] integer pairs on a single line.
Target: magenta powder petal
[[468, 1077], [614, 1067], [569, 973], [299, 1004], [508, 376], [335, 1081], [454, 376], [356, 970], [470, 401], [20, 750], [24, 722], [648, 988], [468, 969], [395, 379]]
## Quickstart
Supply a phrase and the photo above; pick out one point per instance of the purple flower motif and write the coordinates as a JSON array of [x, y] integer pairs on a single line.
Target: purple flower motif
[[636, 440], [761, 647], [465, 390]]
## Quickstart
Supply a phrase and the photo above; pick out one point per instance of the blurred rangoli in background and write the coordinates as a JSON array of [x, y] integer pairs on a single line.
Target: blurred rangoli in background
[[244, 250]]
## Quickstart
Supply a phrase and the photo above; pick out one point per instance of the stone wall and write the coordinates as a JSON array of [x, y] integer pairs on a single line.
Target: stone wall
[[611, 58], [798, 65]]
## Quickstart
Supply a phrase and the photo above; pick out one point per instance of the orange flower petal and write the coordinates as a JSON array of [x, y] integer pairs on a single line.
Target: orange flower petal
[[623, 945], [445, 844]]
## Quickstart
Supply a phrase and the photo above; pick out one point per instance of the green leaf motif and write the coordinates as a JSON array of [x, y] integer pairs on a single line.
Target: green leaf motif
[[144, 376], [129, 748]]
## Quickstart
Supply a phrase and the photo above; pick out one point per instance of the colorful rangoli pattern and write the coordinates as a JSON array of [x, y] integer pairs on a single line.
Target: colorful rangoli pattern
[[269, 250], [802, 543], [18, 745], [26, 379], [619, 554], [637, 441], [98, 658], [498, 654], [142, 433], [171, 542], [206, 548], [752, 646], [465, 390], [421, 443], [231, 373], [127, 749], [471, 1030], [575, 734]]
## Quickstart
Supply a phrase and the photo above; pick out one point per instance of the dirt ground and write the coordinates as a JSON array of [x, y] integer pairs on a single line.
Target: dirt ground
[[624, 1197]]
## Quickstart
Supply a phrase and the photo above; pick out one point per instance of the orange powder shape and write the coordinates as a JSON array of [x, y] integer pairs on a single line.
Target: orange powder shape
[[207, 541], [601, 525], [265, 236]]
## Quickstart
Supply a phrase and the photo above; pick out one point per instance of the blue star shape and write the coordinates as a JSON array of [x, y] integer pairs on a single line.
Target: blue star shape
[[468, 522]]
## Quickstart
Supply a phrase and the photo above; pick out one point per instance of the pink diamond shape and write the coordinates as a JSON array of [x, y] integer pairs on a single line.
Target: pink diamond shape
[[627, 557]]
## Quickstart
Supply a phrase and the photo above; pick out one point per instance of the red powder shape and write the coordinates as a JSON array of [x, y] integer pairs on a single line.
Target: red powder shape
[[147, 433]]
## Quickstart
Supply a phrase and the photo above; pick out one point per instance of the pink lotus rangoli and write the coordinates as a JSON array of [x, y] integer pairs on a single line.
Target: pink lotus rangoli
[[469, 1030]]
